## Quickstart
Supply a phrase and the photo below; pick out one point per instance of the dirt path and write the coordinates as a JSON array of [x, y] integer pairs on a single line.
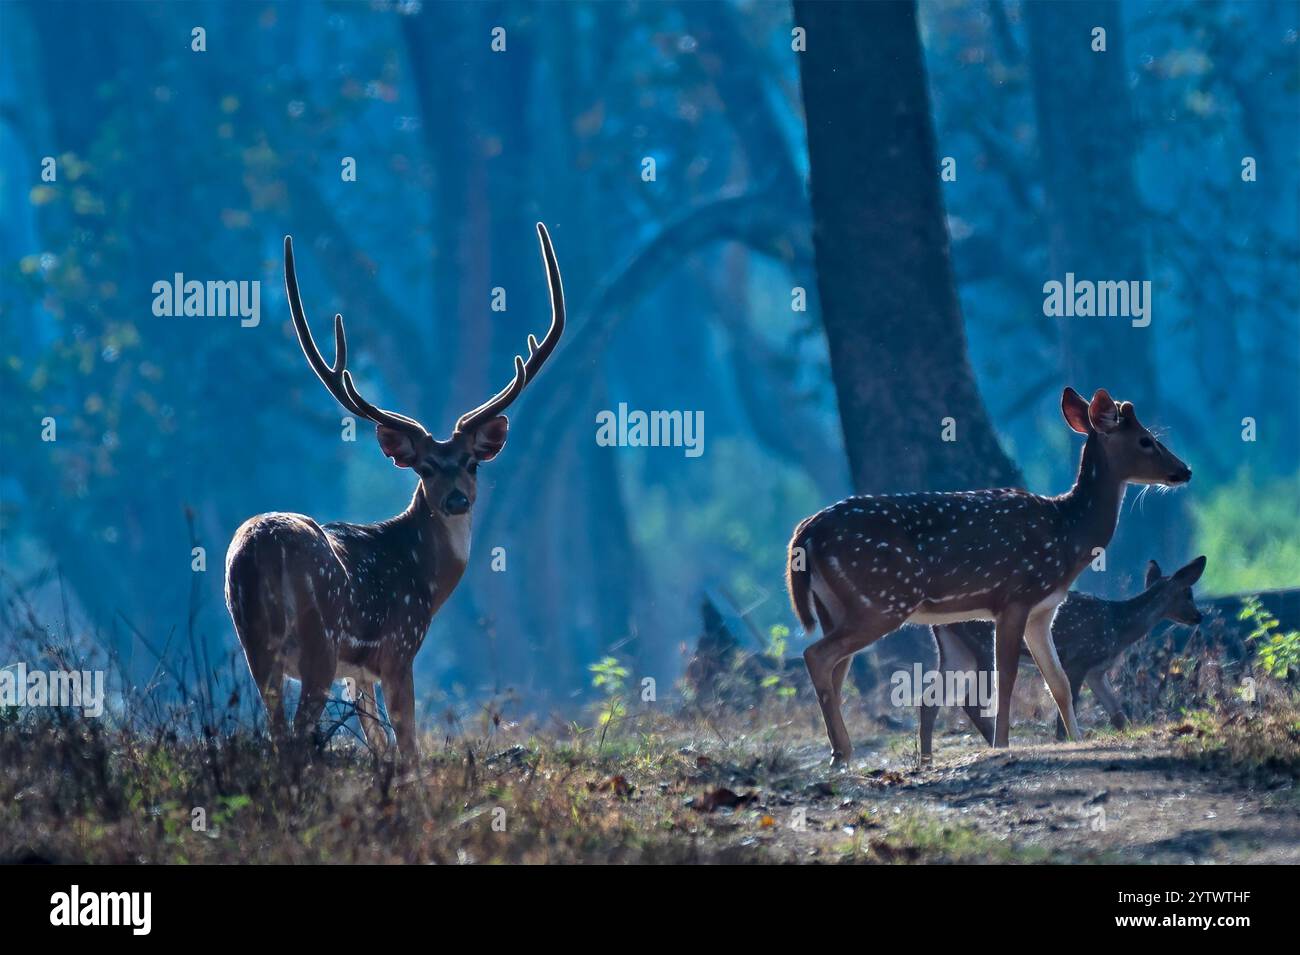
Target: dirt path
[[1113, 799]]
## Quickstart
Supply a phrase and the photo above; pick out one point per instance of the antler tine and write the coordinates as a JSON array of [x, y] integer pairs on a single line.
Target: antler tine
[[336, 378], [378, 415], [538, 352]]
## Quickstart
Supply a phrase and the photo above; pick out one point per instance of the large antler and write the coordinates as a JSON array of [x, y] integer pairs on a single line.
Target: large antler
[[336, 378], [526, 371]]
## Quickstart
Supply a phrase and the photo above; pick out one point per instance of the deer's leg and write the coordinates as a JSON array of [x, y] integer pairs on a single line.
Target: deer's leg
[[1060, 723], [983, 724], [958, 652], [828, 658], [310, 706], [1099, 682], [267, 669], [927, 714], [367, 706], [270, 685], [1008, 631], [399, 695], [317, 665], [838, 674], [1038, 637]]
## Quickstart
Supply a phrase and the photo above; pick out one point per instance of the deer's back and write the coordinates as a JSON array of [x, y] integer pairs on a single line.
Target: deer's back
[[1086, 633], [946, 552]]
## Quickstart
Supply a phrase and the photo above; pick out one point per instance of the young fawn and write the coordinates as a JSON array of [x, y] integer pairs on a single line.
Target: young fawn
[[1089, 635], [865, 566]]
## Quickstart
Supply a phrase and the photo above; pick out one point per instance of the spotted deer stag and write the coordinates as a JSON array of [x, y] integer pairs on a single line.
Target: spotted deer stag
[[1089, 634], [320, 602], [865, 566]]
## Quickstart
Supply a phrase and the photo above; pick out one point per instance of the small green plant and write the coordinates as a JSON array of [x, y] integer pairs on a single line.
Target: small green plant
[[777, 639], [1276, 653], [610, 677]]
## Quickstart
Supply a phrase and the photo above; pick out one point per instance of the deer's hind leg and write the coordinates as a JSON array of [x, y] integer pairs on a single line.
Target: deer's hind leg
[[268, 675], [317, 659], [259, 624], [828, 662]]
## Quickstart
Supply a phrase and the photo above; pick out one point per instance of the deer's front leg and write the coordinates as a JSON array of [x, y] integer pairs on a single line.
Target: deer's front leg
[[1009, 629], [1038, 637], [1099, 682], [367, 704], [399, 695]]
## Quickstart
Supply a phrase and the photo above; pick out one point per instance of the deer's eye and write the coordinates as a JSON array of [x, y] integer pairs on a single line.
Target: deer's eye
[[1146, 443]]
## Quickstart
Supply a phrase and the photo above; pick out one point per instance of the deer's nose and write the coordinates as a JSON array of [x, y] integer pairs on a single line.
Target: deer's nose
[[1181, 475], [456, 503]]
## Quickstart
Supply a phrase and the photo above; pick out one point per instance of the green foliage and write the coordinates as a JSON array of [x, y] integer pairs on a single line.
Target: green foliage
[[778, 638], [1251, 533], [610, 677], [1278, 654]]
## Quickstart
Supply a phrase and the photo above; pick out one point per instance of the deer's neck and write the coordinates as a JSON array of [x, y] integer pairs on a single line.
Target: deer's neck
[[439, 541], [1136, 616], [1090, 509]]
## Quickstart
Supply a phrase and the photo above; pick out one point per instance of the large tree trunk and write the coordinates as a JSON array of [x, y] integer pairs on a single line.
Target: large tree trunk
[[888, 296]]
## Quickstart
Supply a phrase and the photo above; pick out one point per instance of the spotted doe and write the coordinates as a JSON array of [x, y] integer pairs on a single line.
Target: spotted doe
[[1089, 634], [318, 602], [866, 565]]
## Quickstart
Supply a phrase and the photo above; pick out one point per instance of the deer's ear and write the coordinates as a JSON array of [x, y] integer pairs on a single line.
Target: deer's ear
[[397, 445], [1075, 410], [1189, 575], [490, 438], [1103, 413], [1153, 573]]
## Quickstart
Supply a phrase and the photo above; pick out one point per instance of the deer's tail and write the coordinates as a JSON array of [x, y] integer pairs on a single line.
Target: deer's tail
[[798, 578]]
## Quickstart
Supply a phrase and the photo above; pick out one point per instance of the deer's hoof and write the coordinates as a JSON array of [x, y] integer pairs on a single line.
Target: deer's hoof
[[839, 762]]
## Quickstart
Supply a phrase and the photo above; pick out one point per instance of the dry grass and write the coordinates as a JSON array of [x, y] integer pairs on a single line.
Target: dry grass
[[661, 788], [76, 790]]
